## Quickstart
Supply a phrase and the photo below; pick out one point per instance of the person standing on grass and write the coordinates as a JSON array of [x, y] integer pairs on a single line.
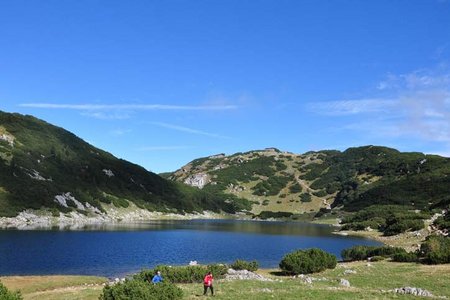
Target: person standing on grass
[[157, 278], [208, 283]]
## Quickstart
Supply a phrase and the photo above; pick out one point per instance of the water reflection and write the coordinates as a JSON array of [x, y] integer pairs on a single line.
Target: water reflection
[[254, 227]]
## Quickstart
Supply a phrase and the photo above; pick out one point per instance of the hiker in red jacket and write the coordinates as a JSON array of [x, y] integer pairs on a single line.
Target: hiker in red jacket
[[208, 282]]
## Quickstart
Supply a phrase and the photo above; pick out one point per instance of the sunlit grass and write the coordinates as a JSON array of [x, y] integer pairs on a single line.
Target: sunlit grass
[[369, 282]]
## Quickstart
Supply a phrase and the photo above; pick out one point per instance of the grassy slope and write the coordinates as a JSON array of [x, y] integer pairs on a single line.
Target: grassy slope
[[350, 180], [56, 287], [368, 283], [246, 170]]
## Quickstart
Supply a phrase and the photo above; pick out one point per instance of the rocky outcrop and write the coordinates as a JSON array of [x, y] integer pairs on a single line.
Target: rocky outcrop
[[108, 173], [244, 275], [197, 180], [7, 138]]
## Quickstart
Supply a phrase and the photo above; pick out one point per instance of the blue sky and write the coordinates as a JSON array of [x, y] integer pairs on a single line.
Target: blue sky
[[160, 83]]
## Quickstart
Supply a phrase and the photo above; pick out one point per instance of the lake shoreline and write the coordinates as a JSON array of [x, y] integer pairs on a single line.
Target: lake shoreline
[[44, 219]]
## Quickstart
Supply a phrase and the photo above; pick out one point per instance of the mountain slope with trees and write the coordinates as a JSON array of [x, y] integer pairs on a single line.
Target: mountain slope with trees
[[350, 181], [46, 167]]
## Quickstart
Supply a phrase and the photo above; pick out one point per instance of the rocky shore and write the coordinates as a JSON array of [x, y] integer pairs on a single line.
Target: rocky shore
[[42, 219]]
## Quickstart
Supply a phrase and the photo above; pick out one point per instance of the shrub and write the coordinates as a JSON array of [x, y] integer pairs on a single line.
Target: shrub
[[245, 265], [305, 197], [436, 250], [398, 225], [265, 214], [390, 219], [307, 261], [183, 274], [405, 257], [5, 294], [138, 289], [364, 252], [295, 188], [443, 222], [355, 253]]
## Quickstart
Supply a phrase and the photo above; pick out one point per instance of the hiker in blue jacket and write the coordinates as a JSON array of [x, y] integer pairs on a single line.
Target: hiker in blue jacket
[[157, 278]]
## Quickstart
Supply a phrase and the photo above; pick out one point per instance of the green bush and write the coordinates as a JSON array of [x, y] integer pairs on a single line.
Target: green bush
[[265, 214], [245, 265], [305, 197], [436, 250], [443, 222], [295, 188], [138, 289], [307, 261], [5, 294], [183, 274], [405, 257], [390, 219], [364, 252], [396, 225], [270, 187]]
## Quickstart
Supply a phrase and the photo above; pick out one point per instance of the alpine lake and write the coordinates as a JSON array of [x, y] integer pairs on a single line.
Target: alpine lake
[[122, 249]]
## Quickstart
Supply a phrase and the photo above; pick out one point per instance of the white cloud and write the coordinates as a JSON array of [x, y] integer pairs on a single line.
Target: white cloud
[[188, 130], [417, 106]]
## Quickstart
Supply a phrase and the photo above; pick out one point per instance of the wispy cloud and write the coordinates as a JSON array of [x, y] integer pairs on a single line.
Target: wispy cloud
[[102, 107], [416, 105], [162, 148], [188, 130], [352, 107], [119, 132], [110, 115]]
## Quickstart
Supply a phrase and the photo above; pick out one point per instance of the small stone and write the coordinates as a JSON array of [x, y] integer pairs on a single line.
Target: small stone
[[344, 282]]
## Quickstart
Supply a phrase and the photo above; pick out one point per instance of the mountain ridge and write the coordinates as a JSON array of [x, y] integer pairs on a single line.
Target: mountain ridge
[[43, 166], [351, 180]]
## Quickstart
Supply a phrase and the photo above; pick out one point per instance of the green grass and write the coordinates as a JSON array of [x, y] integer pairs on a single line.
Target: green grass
[[369, 282], [55, 287]]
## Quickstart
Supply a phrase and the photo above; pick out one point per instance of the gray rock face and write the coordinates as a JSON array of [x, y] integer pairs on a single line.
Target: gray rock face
[[413, 291], [7, 138], [197, 180]]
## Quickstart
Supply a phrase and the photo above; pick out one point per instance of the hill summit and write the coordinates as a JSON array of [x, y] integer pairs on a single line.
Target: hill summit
[[351, 180], [44, 167]]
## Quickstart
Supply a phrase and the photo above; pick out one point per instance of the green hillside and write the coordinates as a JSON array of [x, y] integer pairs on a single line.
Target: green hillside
[[44, 166], [276, 181]]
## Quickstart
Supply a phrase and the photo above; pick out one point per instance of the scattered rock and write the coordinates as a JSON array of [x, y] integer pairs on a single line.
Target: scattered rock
[[244, 275], [108, 173], [349, 271], [305, 279], [413, 291], [193, 263], [344, 282]]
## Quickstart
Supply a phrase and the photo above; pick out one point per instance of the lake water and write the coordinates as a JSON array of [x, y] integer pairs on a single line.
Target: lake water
[[119, 250]]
